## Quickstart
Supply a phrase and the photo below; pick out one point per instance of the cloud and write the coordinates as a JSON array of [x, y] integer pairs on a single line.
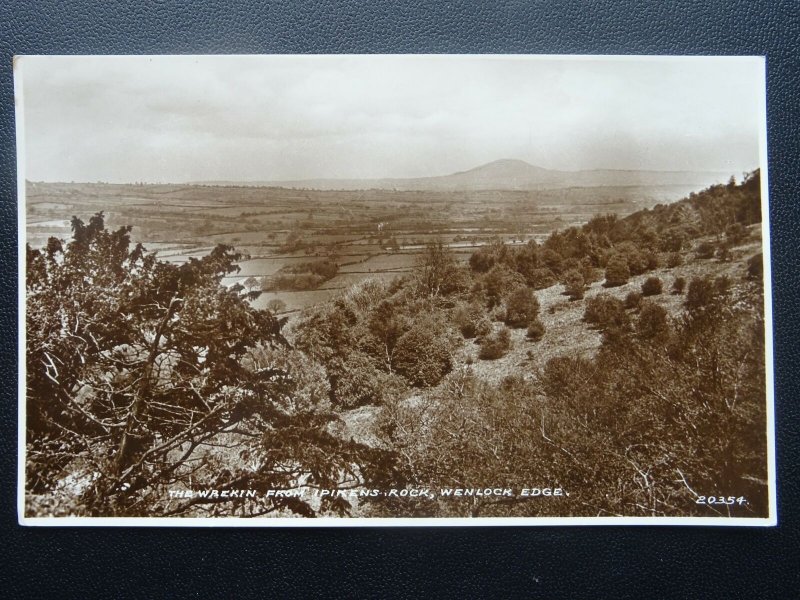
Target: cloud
[[291, 117]]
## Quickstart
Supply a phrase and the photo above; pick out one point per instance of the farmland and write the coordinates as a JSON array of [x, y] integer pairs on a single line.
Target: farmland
[[367, 233]]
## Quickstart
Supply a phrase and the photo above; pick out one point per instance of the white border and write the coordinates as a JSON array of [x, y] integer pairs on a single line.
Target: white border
[[301, 522]]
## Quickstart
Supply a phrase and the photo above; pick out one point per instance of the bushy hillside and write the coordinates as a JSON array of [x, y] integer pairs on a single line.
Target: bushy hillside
[[658, 316]]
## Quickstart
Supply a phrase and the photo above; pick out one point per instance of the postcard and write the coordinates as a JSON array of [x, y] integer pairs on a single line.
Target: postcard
[[394, 290]]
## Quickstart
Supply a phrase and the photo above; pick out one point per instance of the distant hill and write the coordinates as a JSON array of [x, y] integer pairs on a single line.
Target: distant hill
[[506, 174]]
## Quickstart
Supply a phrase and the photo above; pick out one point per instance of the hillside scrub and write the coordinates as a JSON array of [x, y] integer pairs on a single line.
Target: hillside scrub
[[636, 239], [677, 378]]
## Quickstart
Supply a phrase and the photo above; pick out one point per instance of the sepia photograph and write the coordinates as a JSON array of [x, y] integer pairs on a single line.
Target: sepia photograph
[[394, 290]]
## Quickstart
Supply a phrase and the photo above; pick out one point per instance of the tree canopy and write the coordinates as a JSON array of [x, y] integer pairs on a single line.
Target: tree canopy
[[142, 376]]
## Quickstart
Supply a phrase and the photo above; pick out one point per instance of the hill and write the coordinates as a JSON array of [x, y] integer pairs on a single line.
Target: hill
[[507, 174]]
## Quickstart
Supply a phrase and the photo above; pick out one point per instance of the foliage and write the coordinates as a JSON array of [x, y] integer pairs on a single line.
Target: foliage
[[678, 285], [522, 307], [437, 272], [276, 305], [617, 271], [705, 295], [652, 324], [361, 382], [470, 319], [755, 266], [496, 345], [423, 354], [139, 371], [639, 429], [705, 250], [633, 299], [574, 284], [606, 312], [652, 286], [674, 259], [536, 330], [499, 282], [303, 276]]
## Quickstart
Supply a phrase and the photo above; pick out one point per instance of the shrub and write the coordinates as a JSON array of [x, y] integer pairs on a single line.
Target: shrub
[[590, 273], [674, 241], [617, 271], [724, 252], [700, 294], [482, 259], [496, 345], [755, 266], [499, 281], [605, 311], [470, 320], [736, 233], [522, 307], [652, 287], [574, 284], [540, 279], [674, 259], [678, 285], [636, 259], [705, 250], [652, 323], [422, 356], [633, 299], [705, 293], [536, 330], [361, 382], [652, 260]]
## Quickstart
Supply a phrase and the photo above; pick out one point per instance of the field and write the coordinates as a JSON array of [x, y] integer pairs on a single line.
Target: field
[[367, 233]]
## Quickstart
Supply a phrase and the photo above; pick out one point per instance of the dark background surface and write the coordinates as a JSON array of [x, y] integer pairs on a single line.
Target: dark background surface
[[572, 561]]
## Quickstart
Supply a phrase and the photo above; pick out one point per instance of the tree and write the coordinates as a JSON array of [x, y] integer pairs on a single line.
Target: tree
[[471, 320], [276, 305], [138, 371], [437, 271]]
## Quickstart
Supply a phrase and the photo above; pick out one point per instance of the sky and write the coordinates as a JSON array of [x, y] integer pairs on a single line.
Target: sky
[[269, 118]]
